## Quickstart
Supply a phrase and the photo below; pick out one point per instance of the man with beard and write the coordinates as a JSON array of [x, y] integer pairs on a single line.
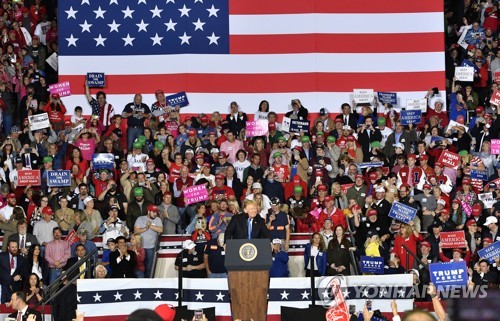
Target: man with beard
[[6, 211], [13, 271], [57, 253], [76, 203]]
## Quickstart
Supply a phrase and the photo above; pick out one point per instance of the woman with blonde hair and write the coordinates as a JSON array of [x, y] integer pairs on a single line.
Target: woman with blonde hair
[[409, 236], [339, 198], [234, 207], [140, 253]]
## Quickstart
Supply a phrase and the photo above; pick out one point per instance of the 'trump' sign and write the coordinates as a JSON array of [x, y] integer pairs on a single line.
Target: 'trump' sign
[[451, 273]]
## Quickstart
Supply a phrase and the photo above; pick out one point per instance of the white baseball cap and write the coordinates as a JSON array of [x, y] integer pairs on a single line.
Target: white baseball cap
[[256, 185], [277, 241], [490, 220], [188, 245]]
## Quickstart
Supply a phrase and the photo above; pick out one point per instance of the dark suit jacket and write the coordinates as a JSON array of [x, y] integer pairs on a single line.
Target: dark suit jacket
[[72, 261], [365, 141], [236, 124], [25, 315], [124, 269], [6, 279], [301, 114], [29, 239], [238, 228], [353, 120]]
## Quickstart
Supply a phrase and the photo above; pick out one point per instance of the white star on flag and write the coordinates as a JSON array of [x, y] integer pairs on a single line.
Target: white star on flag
[[158, 294], [177, 295], [118, 296], [220, 296], [127, 13], [325, 294], [86, 26], [113, 1], [137, 295], [71, 13], [142, 26], [212, 11], [284, 295], [100, 41], [201, 1], [305, 295], [78, 297], [72, 40], [97, 297], [85, 2], [156, 39], [184, 38], [156, 12], [128, 40], [99, 13], [173, 1], [213, 39], [170, 25], [114, 26], [142, 1], [184, 11], [198, 25], [199, 296]]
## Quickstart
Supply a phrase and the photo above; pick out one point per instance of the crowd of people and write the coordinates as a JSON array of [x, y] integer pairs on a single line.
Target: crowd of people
[[337, 180]]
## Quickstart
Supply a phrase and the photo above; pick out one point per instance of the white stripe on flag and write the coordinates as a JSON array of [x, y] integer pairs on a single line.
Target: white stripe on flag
[[336, 23], [256, 64]]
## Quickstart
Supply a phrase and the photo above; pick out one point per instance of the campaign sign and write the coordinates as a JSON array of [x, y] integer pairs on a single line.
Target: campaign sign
[[497, 76], [468, 63], [453, 240], [437, 139], [476, 174], [345, 187], [403, 213], [363, 96], [420, 104], [61, 88], [451, 273], [495, 146], [257, 128], [495, 97], [372, 264], [72, 237], [285, 124], [179, 99], [370, 164], [96, 80], [450, 159], [316, 212], [487, 199], [58, 178], [453, 123], [103, 161], [39, 121], [491, 252], [387, 98], [464, 73], [195, 194], [27, 177], [296, 126], [411, 117]]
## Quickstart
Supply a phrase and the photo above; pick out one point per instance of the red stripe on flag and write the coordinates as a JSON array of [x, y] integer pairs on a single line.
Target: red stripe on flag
[[332, 6], [271, 317], [267, 83], [337, 43]]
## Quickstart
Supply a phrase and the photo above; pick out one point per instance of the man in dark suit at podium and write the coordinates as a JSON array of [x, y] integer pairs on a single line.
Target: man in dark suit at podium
[[247, 225]]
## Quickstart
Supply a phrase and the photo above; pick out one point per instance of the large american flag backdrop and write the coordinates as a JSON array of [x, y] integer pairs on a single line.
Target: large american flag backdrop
[[113, 300], [248, 50]]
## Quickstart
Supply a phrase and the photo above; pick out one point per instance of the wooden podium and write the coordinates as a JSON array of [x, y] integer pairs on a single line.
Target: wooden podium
[[248, 263]]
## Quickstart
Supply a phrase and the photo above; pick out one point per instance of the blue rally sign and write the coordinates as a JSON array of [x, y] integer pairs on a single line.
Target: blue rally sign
[[411, 117], [96, 80], [491, 252], [372, 264], [476, 174], [403, 213], [450, 273], [179, 99], [387, 98], [58, 178], [103, 161]]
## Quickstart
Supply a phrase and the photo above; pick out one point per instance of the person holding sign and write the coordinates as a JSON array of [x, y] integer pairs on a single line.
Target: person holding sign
[[100, 107], [56, 111], [456, 256]]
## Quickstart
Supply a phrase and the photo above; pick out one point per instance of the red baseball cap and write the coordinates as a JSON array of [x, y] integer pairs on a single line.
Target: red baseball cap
[[55, 96], [425, 243], [359, 176], [328, 198], [322, 188], [159, 91], [219, 176], [458, 250], [355, 207], [199, 156], [272, 126], [152, 207], [466, 180], [47, 210], [373, 176], [488, 239], [456, 200], [339, 120], [350, 138], [445, 211], [371, 212], [167, 193], [412, 156], [438, 164], [476, 209], [470, 222], [192, 132], [479, 109], [296, 179], [204, 119], [427, 186], [423, 157], [150, 161], [67, 123], [319, 172], [206, 165]]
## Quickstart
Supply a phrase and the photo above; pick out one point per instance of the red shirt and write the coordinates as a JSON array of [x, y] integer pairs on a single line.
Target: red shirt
[[337, 217], [411, 243], [226, 190], [56, 115], [307, 224]]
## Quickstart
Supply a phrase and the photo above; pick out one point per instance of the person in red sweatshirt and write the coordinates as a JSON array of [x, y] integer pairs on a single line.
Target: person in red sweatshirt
[[56, 110]]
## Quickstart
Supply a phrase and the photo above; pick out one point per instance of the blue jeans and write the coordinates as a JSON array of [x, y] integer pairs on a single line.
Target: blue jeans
[[139, 274], [181, 225], [8, 121], [148, 262], [217, 275], [54, 274], [132, 134]]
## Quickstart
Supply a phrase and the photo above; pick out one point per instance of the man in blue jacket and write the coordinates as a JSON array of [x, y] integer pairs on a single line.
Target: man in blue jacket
[[280, 261]]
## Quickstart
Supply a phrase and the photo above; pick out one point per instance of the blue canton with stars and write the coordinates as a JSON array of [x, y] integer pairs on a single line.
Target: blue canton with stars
[[143, 27]]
